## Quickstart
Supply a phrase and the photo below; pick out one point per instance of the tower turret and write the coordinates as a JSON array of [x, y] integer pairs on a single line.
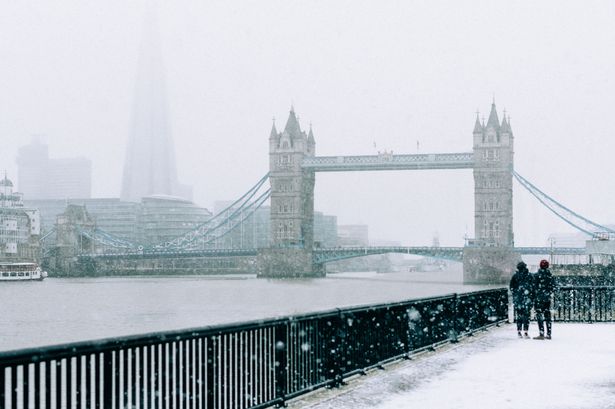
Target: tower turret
[[491, 258], [311, 142], [479, 131], [274, 138], [292, 203], [493, 161], [290, 185], [274, 132]]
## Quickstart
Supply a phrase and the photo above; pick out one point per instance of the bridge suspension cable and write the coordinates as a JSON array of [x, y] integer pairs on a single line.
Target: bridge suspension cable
[[199, 237], [204, 233], [106, 239], [569, 216], [227, 225]]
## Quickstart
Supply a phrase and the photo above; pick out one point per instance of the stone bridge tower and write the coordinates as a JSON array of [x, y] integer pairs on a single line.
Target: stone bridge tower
[[490, 257], [70, 241], [292, 203]]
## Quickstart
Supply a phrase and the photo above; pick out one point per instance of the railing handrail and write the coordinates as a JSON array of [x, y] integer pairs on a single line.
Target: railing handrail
[[584, 303]]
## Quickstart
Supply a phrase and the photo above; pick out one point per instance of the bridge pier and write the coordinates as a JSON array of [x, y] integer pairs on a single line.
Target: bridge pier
[[287, 263], [489, 265]]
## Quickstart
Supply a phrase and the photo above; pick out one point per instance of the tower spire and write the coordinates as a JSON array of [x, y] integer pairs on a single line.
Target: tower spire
[[274, 131], [493, 120], [311, 136], [478, 128], [292, 124]]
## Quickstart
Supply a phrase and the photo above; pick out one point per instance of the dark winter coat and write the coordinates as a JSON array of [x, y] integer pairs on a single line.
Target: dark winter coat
[[544, 285], [521, 286]]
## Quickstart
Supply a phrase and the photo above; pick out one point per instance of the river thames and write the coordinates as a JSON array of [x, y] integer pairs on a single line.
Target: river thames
[[68, 310]]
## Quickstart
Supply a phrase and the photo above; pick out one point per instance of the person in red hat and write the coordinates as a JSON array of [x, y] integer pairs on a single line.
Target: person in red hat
[[544, 285]]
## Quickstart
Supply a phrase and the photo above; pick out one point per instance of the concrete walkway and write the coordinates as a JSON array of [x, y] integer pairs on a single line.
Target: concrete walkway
[[492, 370]]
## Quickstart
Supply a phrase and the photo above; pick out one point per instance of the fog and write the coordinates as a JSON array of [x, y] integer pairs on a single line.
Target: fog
[[369, 76]]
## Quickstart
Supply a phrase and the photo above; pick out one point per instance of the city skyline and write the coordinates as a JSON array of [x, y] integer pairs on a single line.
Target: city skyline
[[379, 81]]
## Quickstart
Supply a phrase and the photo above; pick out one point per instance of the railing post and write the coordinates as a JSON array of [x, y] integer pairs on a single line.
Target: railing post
[[454, 326], [2, 386], [281, 362], [107, 379], [212, 383], [340, 364], [591, 304], [333, 351]]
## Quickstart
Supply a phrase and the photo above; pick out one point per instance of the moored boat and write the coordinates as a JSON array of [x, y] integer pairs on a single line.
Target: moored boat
[[21, 271]]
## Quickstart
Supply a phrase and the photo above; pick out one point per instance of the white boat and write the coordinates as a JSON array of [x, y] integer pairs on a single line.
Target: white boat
[[24, 271]]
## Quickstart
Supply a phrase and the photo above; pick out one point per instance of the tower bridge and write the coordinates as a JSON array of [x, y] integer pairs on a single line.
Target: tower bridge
[[293, 164], [489, 257]]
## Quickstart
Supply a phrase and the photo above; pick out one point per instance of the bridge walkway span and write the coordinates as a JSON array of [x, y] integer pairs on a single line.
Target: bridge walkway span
[[494, 369]]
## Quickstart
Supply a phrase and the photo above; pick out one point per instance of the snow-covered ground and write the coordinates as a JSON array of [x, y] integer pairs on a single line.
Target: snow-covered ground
[[492, 370]]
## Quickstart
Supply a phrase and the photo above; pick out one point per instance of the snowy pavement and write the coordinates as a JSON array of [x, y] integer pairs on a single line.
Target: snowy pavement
[[494, 369]]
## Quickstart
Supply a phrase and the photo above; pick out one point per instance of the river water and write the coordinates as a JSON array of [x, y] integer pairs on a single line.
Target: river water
[[76, 309]]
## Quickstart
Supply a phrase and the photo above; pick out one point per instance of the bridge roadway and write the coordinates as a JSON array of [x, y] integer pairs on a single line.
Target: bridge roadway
[[324, 255], [389, 161], [492, 370]]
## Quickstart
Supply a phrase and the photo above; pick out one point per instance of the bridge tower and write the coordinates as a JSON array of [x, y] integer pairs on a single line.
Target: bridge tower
[[490, 257], [292, 203]]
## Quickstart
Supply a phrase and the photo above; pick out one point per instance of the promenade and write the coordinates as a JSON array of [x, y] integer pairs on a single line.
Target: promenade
[[494, 369]]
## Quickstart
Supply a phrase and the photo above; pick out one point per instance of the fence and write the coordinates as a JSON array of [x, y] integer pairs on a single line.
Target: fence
[[249, 365], [584, 304]]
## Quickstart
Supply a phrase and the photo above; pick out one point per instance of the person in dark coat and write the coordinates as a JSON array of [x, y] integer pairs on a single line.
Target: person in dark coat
[[521, 286], [544, 285]]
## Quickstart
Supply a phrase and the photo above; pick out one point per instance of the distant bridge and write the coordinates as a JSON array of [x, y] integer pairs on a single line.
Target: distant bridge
[[327, 255], [177, 253]]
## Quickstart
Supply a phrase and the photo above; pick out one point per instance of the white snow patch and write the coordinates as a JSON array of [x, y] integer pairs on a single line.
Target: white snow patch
[[574, 370]]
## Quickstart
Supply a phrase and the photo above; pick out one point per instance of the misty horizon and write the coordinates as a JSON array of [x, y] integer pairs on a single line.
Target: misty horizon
[[399, 77]]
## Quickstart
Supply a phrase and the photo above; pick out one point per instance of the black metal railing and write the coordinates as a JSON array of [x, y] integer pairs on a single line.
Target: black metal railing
[[249, 365], [584, 304]]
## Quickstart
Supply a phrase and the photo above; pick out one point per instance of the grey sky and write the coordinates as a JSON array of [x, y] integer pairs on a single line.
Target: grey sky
[[392, 73]]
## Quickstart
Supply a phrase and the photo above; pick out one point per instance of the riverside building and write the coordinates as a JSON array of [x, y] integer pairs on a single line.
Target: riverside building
[[19, 226]]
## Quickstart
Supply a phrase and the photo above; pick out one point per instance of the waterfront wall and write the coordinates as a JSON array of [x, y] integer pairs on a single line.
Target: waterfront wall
[[95, 267]]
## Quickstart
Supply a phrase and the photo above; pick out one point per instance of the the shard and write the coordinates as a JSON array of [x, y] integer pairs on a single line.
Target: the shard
[[149, 167]]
